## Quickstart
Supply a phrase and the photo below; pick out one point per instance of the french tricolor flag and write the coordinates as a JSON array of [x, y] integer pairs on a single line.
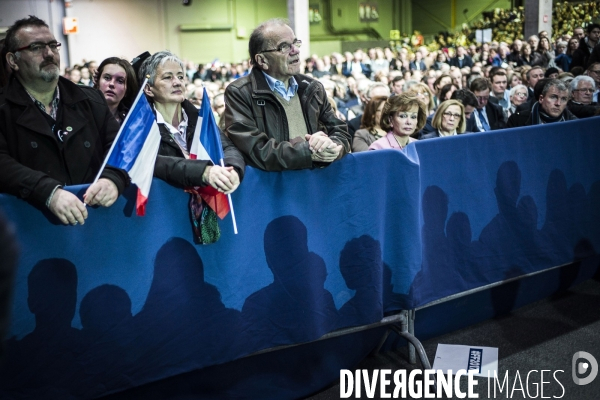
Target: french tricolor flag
[[135, 148], [207, 146]]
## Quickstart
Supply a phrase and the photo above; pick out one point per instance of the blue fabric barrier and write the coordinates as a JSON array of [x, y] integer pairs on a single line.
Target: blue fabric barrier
[[126, 300]]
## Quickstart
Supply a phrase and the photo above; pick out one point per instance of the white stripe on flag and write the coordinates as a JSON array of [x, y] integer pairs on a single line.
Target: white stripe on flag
[[197, 149], [143, 169]]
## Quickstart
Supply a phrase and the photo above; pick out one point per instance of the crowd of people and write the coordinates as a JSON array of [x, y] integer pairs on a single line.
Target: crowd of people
[[275, 110]]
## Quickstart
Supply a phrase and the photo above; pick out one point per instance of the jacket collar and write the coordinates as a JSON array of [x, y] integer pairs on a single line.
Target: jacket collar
[[70, 93], [260, 85]]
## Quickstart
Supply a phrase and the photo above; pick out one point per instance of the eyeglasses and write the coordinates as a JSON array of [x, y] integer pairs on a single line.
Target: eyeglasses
[[585, 90], [38, 47], [285, 47], [451, 115], [521, 95]]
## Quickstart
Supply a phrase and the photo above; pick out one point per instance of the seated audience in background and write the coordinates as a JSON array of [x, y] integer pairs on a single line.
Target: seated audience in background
[[177, 120], [469, 101], [582, 91], [402, 117], [398, 85], [438, 84], [551, 73], [418, 63], [518, 96], [118, 83], [440, 60], [265, 114], [532, 77], [546, 53], [551, 107], [195, 96], [370, 128], [514, 79], [422, 92], [593, 71], [449, 120], [529, 57], [488, 116], [53, 132], [447, 91], [562, 60], [499, 82], [372, 90], [515, 53], [218, 107], [462, 59], [594, 56], [75, 76], [86, 78], [586, 45]]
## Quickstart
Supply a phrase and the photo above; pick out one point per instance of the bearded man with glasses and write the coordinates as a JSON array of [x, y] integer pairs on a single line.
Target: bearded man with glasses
[[52, 131], [277, 118]]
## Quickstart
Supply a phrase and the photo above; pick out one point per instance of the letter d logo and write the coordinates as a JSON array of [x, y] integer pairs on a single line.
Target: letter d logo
[[583, 367]]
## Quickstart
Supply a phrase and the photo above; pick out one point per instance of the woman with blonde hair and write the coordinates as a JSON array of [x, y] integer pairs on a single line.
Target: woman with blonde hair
[[449, 120], [402, 117], [424, 95]]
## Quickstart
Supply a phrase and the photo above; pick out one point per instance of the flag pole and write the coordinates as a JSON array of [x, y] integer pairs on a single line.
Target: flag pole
[[231, 206]]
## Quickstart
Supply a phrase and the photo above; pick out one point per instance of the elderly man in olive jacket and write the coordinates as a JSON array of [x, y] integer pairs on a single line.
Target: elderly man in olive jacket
[[52, 132], [277, 118]]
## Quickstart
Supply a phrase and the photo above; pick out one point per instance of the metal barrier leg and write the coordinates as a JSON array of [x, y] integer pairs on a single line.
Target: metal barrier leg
[[381, 342], [417, 345], [412, 358]]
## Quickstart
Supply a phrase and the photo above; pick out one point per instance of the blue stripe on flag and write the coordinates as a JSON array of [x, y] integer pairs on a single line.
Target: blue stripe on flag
[[133, 135], [210, 135]]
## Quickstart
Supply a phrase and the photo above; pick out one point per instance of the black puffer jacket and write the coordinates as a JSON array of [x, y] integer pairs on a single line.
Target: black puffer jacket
[[256, 122]]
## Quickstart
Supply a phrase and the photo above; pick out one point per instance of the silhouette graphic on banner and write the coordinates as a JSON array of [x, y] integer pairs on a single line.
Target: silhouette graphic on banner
[[295, 307]]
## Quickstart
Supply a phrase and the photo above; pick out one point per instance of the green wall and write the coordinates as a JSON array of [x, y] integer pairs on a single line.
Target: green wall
[[211, 29]]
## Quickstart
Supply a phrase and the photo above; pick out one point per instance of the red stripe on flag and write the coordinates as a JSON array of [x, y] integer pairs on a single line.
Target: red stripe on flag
[[215, 200], [140, 204]]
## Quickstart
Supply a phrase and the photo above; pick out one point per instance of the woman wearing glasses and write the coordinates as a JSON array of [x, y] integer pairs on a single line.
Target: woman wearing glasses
[[449, 120], [402, 117], [518, 95], [117, 81]]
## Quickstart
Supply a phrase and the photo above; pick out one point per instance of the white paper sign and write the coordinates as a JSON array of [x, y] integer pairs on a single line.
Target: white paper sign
[[455, 357]]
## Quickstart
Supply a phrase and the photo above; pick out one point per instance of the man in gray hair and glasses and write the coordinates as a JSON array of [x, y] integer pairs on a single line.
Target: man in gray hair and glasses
[[52, 132], [277, 118]]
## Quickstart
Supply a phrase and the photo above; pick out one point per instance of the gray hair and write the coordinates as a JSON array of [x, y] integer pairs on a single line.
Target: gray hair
[[582, 78], [555, 83], [514, 89], [257, 38], [375, 85], [151, 64]]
